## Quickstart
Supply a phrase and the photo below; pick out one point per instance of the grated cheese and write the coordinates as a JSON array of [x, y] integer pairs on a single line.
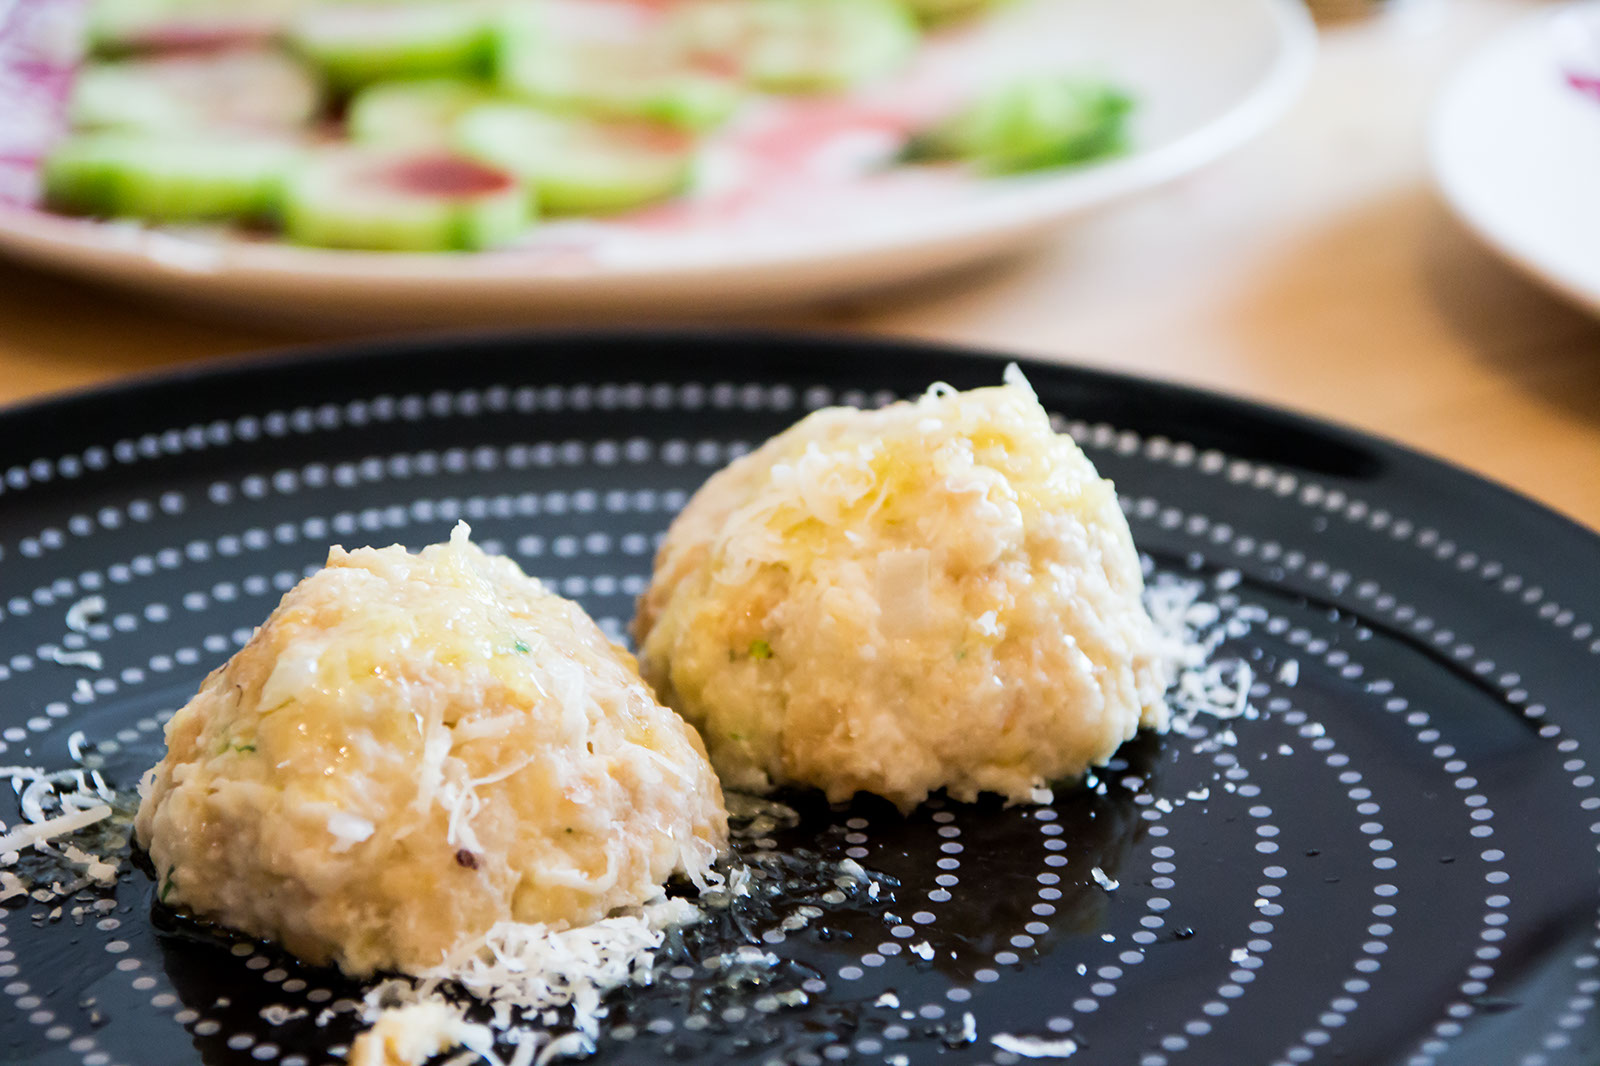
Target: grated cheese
[[348, 830], [32, 834], [1189, 629], [1014, 377], [278, 1014], [96, 868], [412, 1034], [1033, 1047], [85, 611], [528, 968], [87, 658], [55, 804]]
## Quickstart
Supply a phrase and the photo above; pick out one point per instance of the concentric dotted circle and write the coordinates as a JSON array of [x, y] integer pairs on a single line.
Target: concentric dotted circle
[[593, 537]]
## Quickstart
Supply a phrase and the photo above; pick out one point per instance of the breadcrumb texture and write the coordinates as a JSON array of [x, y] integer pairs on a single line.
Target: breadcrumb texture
[[413, 748], [937, 594]]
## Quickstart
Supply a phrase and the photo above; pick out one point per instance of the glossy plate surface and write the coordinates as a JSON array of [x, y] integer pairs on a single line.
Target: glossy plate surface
[[1393, 861], [1516, 148], [796, 201]]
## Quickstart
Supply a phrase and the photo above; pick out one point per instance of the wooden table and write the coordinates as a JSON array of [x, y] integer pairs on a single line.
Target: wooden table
[[1314, 269]]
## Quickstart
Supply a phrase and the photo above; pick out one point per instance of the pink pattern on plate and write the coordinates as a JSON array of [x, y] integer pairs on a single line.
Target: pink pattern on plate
[[38, 56], [1587, 84]]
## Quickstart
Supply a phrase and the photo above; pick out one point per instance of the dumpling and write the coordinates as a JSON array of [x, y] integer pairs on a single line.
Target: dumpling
[[941, 594], [413, 748]]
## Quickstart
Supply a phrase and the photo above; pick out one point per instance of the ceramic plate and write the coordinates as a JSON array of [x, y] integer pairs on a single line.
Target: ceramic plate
[[796, 203], [1516, 148], [1390, 860]]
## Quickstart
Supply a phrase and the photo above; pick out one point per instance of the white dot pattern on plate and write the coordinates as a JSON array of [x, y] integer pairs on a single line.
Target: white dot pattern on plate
[[561, 533]]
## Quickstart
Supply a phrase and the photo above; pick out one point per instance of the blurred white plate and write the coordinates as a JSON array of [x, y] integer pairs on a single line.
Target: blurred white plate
[[1515, 145], [794, 211]]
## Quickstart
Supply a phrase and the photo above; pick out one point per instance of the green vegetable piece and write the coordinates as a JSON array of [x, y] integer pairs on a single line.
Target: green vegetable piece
[[938, 12], [247, 90], [520, 647], [164, 178], [800, 45], [760, 649], [167, 886], [620, 79], [579, 166], [354, 44], [420, 113], [1043, 121], [403, 201]]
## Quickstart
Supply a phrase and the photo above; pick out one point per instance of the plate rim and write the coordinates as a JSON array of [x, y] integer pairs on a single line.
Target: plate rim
[[282, 361]]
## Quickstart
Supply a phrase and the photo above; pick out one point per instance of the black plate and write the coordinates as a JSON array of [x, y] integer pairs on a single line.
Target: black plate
[[1394, 863]]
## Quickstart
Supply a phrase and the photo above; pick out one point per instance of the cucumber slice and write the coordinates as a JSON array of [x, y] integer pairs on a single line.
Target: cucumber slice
[[252, 89], [938, 12], [166, 178], [626, 79], [357, 43], [801, 45], [117, 27], [577, 165], [1042, 121], [413, 114], [402, 201]]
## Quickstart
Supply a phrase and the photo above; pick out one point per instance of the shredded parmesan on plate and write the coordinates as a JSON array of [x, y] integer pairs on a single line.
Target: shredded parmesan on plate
[[88, 659], [32, 834], [56, 804], [96, 868], [517, 967], [414, 1033], [1189, 630], [1034, 1047], [85, 611]]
